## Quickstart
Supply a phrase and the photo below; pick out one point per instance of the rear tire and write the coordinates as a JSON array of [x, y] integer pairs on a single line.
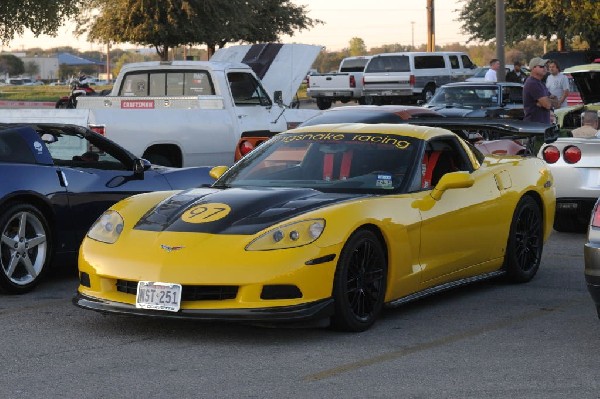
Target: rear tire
[[323, 103], [25, 248], [360, 282], [525, 242]]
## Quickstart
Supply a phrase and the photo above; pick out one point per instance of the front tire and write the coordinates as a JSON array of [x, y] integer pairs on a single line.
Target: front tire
[[525, 242], [360, 282], [25, 248]]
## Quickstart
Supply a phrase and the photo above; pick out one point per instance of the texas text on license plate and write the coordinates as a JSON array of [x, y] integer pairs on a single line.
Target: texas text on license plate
[[158, 296]]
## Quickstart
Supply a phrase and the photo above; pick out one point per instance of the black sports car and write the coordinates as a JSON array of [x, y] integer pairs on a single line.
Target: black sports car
[[479, 99], [56, 180]]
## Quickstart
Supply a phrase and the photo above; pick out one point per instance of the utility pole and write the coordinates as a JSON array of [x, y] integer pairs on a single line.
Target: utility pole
[[500, 33], [108, 78], [430, 25]]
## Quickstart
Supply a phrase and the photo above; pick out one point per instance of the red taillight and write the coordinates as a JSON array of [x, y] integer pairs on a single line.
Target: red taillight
[[596, 216], [412, 80], [572, 154], [100, 129], [352, 81], [551, 154], [246, 147]]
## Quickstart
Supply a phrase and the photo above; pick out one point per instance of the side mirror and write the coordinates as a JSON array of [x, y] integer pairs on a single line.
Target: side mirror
[[217, 171], [421, 102], [140, 166], [450, 181], [278, 97]]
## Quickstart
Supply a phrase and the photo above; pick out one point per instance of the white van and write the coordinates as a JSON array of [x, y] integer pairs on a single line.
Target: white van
[[409, 76]]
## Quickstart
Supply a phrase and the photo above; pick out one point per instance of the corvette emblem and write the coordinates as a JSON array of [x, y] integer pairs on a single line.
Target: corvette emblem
[[169, 248]]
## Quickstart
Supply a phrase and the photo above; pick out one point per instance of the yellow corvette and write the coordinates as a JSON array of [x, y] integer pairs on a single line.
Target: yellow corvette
[[322, 222]]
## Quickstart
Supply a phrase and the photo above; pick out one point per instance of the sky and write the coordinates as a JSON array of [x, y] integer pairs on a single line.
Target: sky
[[377, 22]]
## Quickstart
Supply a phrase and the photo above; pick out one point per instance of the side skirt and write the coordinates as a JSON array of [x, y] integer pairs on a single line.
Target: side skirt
[[444, 287]]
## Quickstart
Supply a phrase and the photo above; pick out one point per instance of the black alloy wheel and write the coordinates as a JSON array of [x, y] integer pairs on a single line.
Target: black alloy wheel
[[360, 282], [525, 241]]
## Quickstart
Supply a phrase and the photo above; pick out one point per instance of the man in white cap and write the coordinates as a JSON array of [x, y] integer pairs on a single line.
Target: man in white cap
[[537, 100]]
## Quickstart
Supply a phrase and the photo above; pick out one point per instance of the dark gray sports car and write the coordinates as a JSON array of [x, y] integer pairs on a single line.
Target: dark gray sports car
[[56, 180]]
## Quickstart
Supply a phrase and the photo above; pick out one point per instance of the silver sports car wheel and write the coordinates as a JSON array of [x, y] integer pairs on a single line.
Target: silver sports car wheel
[[24, 248]]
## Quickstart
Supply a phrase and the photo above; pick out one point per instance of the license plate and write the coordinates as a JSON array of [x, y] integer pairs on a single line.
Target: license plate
[[158, 296], [387, 93]]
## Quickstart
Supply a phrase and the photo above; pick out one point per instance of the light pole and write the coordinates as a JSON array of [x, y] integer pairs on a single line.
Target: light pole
[[413, 34]]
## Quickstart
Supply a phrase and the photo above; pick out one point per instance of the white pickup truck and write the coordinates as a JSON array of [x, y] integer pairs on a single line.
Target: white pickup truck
[[344, 85], [192, 113]]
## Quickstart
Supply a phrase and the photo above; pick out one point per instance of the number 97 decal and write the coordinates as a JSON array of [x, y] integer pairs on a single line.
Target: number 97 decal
[[206, 213]]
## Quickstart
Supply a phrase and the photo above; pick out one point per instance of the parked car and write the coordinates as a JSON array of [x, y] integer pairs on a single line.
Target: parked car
[[585, 78], [591, 255], [322, 222], [575, 162], [479, 99], [409, 76], [344, 85], [490, 136], [56, 180]]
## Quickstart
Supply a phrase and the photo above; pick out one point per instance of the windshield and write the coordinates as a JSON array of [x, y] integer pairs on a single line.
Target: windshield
[[339, 162], [465, 97]]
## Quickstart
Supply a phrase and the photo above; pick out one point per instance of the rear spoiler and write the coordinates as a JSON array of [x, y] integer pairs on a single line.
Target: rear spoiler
[[494, 128]]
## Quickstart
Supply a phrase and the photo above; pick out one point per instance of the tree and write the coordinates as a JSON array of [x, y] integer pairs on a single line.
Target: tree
[[31, 68], [567, 19], [167, 24], [11, 65], [39, 16], [357, 46]]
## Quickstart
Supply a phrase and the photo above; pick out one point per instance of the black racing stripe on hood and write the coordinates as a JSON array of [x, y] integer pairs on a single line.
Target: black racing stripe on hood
[[251, 209], [261, 56]]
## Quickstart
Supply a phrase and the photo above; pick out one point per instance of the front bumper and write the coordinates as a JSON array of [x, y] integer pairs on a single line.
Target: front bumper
[[309, 311]]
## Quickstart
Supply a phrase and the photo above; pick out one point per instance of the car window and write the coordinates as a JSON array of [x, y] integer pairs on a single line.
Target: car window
[[429, 61], [337, 162], [246, 90], [441, 156], [354, 65], [395, 63], [171, 83], [76, 150], [467, 63], [454, 62]]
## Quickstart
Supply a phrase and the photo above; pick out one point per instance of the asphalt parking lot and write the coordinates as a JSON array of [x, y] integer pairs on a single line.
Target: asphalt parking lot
[[492, 340]]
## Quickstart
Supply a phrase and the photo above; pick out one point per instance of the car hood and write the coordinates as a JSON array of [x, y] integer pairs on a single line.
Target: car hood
[[279, 66], [234, 211], [185, 178], [587, 79], [451, 111]]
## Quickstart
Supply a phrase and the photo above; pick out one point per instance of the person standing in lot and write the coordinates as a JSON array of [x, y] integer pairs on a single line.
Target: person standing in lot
[[557, 83], [516, 75], [537, 100], [490, 75]]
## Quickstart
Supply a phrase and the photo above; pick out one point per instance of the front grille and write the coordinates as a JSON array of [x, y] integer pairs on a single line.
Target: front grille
[[189, 292]]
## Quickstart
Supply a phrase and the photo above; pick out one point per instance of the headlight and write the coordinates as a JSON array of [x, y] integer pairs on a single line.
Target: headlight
[[107, 228], [288, 236]]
